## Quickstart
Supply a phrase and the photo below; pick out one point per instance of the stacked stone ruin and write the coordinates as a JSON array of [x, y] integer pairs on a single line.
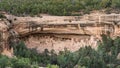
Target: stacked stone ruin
[[14, 28], [59, 44]]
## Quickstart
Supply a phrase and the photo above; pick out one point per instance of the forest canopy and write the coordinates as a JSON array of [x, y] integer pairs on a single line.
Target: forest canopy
[[55, 7]]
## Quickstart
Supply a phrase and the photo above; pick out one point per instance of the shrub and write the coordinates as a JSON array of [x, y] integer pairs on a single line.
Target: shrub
[[21, 63], [2, 16], [4, 61], [52, 66]]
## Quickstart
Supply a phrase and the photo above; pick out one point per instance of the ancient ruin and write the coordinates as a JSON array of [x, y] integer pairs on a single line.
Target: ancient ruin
[[37, 32]]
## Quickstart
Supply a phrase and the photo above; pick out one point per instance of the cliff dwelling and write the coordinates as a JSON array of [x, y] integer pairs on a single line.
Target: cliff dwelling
[[58, 32]]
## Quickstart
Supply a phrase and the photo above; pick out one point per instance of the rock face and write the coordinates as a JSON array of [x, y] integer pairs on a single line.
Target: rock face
[[92, 25], [7, 35], [4, 36]]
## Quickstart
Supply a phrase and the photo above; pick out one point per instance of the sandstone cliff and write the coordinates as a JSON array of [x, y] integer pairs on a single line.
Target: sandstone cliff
[[57, 32]]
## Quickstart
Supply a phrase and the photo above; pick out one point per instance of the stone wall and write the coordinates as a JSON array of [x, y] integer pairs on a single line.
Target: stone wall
[[59, 44]]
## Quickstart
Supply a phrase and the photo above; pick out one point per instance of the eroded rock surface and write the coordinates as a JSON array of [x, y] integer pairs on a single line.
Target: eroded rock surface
[[4, 36], [93, 25]]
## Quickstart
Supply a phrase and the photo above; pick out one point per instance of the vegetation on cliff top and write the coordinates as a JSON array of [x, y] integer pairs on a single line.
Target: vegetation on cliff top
[[56, 7]]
